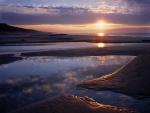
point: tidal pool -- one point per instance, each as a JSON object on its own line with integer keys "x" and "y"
{"x": 58, "y": 66}
{"x": 36, "y": 78}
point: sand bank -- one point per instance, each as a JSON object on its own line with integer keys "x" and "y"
{"x": 132, "y": 79}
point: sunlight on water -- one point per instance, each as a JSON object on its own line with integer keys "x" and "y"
{"x": 101, "y": 45}
{"x": 66, "y": 46}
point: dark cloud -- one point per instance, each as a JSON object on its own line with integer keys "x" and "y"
{"x": 145, "y": 2}
{"x": 143, "y": 5}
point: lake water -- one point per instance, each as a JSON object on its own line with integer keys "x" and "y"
{"x": 36, "y": 78}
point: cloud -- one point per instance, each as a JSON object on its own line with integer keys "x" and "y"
{"x": 13, "y": 14}
{"x": 143, "y": 5}
{"x": 142, "y": 2}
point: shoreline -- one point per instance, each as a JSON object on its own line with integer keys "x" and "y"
{"x": 127, "y": 51}
{"x": 91, "y": 52}
{"x": 63, "y": 101}
{"x": 73, "y": 104}
{"x": 131, "y": 79}
{"x": 8, "y": 58}
{"x": 51, "y": 42}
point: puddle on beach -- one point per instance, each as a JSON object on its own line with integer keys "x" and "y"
{"x": 37, "y": 78}
{"x": 59, "y": 66}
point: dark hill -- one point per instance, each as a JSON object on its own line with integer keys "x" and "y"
{"x": 8, "y": 28}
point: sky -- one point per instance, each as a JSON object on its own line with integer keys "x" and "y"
{"x": 78, "y": 16}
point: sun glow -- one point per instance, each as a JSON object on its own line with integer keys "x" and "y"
{"x": 101, "y": 24}
{"x": 105, "y": 25}
{"x": 101, "y": 34}
{"x": 101, "y": 45}
{"x": 98, "y": 28}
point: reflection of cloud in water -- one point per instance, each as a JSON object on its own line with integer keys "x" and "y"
{"x": 4, "y": 65}
{"x": 71, "y": 77}
{"x": 106, "y": 60}
{"x": 63, "y": 82}
{"x": 113, "y": 60}
{"x": 49, "y": 66}
{"x": 64, "y": 74}
{"x": 60, "y": 88}
{"x": 59, "y": 83}
{"x": 47, "y": 88}
{"x": 28, "y": 90}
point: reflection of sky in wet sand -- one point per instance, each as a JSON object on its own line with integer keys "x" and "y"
{"x": 36, "y": 78}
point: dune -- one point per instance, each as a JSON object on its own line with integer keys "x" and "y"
{"x": 132, "y": 79}
{"x": 72, "y": 104}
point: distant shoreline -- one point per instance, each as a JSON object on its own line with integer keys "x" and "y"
{"x": 7, "y": 58}
{"x": 12, "y": 35}
{"x": 44, "y": 43}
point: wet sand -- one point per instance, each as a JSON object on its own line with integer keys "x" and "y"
{"x": 72, "y": 104}
{"x": 132, "y": 51}
{"x": 9, "y": 38}
{"x": 132, "y": 79}
{"x": 93, "y": 52}
{"x": 8, "y": 58}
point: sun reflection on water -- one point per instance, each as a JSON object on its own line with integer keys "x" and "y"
{"x": 101, "y": 34}
{"x": 101, "y": 45}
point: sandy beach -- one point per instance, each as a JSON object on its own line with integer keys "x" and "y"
{"x": 95, "y": 51}
{"x": 72, "y": 104}
{"x": 25, "y": 50}
{"x": 131, "y": 79}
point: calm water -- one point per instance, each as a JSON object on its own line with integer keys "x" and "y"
{"x": 66, "y": 45}
{"x": 37, "y": 78}
{"x": 50, "y": 66}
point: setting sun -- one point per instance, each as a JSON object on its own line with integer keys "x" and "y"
{"x": 101, "y": 45}
{"x": 101, "y": 34}
{"x": 101, "y": 24}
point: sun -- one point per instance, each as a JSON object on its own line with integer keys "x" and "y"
{"x": 100, "y": 45}
{"x": 101, "y": 24}
{"x": 101, "y": 34}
